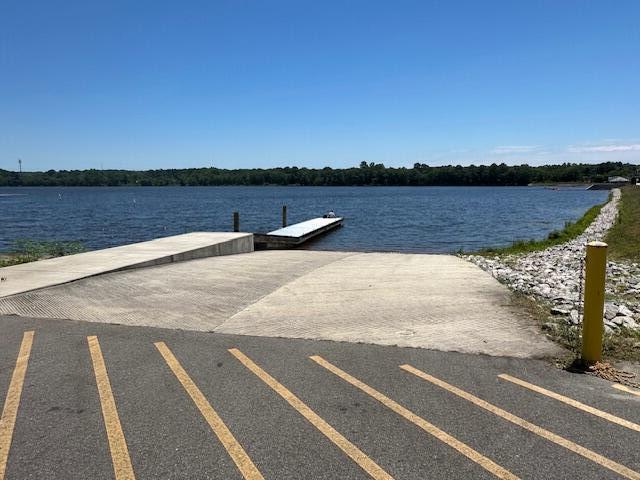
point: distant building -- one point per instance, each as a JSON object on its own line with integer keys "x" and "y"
{"x": 618, "y": 180}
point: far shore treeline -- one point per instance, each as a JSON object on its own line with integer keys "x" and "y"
{"x": 365, "y": 174}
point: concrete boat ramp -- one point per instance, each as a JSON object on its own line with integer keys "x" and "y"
{"x": 430, "y": 301}
{"x": 46, "y": 273}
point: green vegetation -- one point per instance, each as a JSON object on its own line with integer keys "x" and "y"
{"x": 624, "y": 236}
{"x": 365, "y": 174}
{"x": 25, "y": 250}
{"x": 570, "y": 231}
{"x": 622, "y": 345}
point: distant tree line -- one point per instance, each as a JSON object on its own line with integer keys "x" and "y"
{"x": 366, "y": 174}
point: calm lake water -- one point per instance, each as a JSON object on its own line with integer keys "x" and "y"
{"x": 422, "y": 219}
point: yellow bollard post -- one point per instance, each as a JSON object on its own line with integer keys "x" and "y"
{"x": 592, "y": 327}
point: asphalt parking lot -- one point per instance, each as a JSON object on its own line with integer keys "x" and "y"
{"x": 92, "y": 400}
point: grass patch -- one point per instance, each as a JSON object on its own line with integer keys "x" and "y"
{"x": 624, "y": 236}
{"x": 624, "y": 344}
{"x": 25, "y": 250}
{"x": 570, "y": 231}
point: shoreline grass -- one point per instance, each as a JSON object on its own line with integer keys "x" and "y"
{"x": 25, "y": 251}
{"x": 570, "y": 231}
{"x": 623, "y": 238}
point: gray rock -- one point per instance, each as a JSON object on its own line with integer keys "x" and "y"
{"x": 610, "y": 311}
{"x": 623, "y": 311}
{"x": 574, "y": 317}
{"x": 627, "y": 322}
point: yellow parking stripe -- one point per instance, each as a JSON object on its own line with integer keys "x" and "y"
{"x": 546, "y": 434}
{"x": 122, "y": 467}
{"x": 572, "y": 402}
{"x": 235, "y": 450}
{"x": 12, "y": 401}
{"x": 368, "y": 465}
{"x": 454, "y": 443}
{"x": 626, "y": 389}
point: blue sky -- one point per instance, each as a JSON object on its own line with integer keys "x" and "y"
{"x": 137, "y": 85}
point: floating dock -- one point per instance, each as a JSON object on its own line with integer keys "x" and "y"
{"x": 297, "y": 234}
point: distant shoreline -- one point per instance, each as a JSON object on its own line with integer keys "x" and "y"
{"x": 267, "y": 185}
{"x": 367, "y": 174}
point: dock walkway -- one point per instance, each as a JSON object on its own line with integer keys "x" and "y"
{"x": 55, "y": 271}
{"x": 297, "y": 234}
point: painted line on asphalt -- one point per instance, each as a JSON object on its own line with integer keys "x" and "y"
{"x": 546, "y": 434}
{"x": 232, "y": 446}
{"x": 453, "y": 442}
{"x": 122, "y": 467}
{"x": 12, "y": 400}
{"x": 571, "y": 402}
{"x": 624, "y": 388}
{"x": 359, "y": 457}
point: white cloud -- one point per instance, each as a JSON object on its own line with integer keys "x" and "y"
{"x": 633, "y": 147}
{"x": 514, "y": 149}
